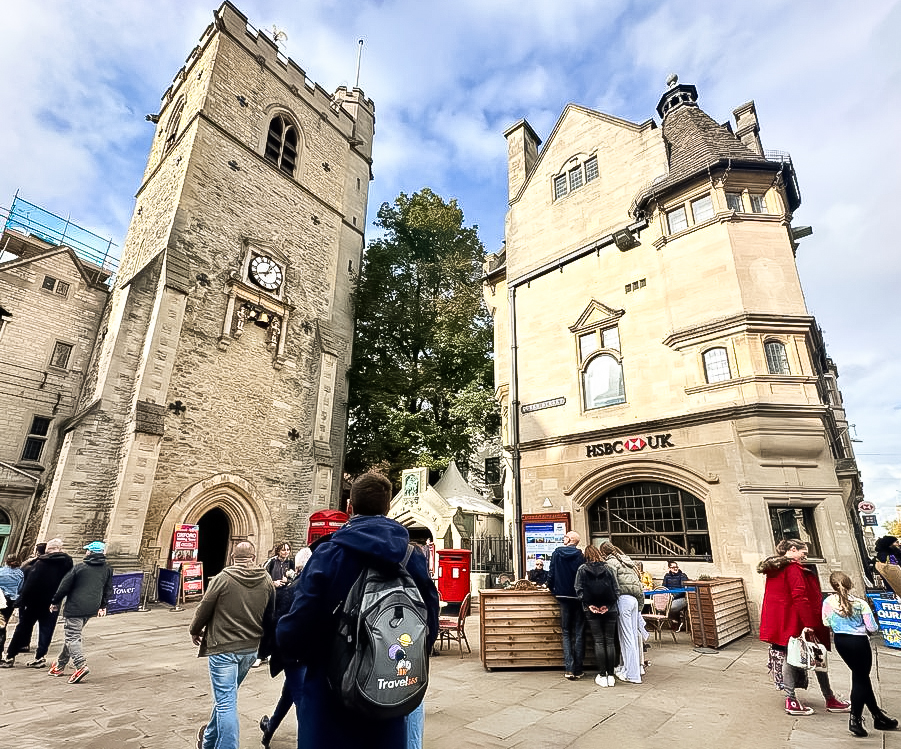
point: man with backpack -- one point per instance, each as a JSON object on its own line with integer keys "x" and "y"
{"x": 363, "y": 621}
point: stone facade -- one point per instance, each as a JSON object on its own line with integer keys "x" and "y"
{"x": 212, "y": 389}
{"x": 670, "y": 390}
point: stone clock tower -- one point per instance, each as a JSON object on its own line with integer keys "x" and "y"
{"x": 217, "y": 391}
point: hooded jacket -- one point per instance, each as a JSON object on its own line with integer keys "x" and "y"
{"x": 230, "y": 615}
{"x": 792, "y": 600}
{"x": 86, "y": 587}
{"x": 306, "y": 632}
{"x": 565, "y": 562}
{"x": 42, "y": 578}
{"x": 596, "y": 586}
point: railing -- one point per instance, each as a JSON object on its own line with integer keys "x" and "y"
{"x": 492, "y": 554}
{"x": 27, "y": 218}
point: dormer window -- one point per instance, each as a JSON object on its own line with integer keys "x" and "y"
{"x": 575, "y": 177}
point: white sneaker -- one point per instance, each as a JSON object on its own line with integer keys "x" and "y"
{"x": 619, "y": 674}
{"x": 641, "y": 669}
{"x": 601, "y": 681}
{"x": 611, "y": 681}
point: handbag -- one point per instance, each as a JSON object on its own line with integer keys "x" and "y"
{"x": 806, "y": 654}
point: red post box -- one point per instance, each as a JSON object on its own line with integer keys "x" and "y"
{"x": 453, "y": 574}
{"x": 323, "y": 522}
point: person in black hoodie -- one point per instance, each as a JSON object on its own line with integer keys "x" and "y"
{"x": 86, "y": 588}
{"x": 597, "y": 590}
{"x": 303, "y": 634}
{"x": 43, "y": 575}
{"x": 565, "y": 562}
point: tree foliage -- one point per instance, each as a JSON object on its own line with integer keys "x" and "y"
{"x": 892, "y": 527}
{"x": 421, "y": 379}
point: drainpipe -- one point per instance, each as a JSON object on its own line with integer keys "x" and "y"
{"x": 624, "y": 239}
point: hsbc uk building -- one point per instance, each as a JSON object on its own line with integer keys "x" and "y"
{"x": 662, "y": 383}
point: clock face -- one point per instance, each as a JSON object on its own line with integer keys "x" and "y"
{"x": 265, "y": 272}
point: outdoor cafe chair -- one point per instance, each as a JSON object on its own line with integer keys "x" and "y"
{"x": 661, "y": 601}
{"x": 451, "y": 628}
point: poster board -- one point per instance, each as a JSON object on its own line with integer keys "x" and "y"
{"x": 541, "y": 534}
{"x": 126, "y": 595}
{"x": 888, "y": 614}
{"x": 168, "y": 586}
{"x": 185, "y": 541}
{"x": 191, "y": 579}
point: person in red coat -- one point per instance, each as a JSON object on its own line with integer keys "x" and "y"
{"x": 792, "y": 604}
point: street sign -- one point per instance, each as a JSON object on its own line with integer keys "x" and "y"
{"x": 865, "y": 506}
{"x": 869, "y": 520}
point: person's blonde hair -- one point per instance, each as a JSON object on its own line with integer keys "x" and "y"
{"x": 842, "y": 585}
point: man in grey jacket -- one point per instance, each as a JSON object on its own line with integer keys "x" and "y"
{"x": 228, "y": 625}
{"x": 86, "y": 588}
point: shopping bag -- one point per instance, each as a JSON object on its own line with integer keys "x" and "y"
{"x": 806, "y": 654}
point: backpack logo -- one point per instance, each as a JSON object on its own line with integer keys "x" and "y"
{"x": 379, "y": 664}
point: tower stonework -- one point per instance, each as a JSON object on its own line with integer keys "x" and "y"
{"x": 217, "y": 386}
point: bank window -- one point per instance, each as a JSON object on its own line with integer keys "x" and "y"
{"x": 575, "y": 178}
{"x": 734, "y": 202}
{"x": 606, "y": 338}
{"x": 652, "y": 520}
{"x": 37, "y": 436}
{"x": 61, "y": 354}
{"x": 677, "y": 220}
{"x": 602, "y": 382}
{"x": 559, "y": 186}
{"x": 776, "y": 358}
{"x": 702, "y": 209}
{"x": 758, "y": 204}
{"x": 281, "y": 144}
{"x": 795, "y": 522}
{"x": 591, "y": 169}
{"x": 716, "y": 365}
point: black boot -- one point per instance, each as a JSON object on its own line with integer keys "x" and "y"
{"x": 855, "y": 726}
{"x": 264, "y": 727}
{"x": 883, "y": 722}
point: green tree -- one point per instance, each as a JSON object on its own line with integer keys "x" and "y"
{"x": 892, "y": 527}
{"x": 422, "y": 378}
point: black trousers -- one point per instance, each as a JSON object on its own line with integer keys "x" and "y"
{"x": 28, "y": 617}
{"x": 606, "y": 643}
{"x": 856, "y": 653}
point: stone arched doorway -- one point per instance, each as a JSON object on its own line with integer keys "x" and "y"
{"x": 228, "y": 509}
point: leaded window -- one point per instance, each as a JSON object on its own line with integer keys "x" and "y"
{"x": 716, "y": 365}
{"x": 776, "y": 358}
{"x": 281, "y": 144}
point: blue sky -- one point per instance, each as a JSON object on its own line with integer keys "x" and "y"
{"x": 448, "y": 78}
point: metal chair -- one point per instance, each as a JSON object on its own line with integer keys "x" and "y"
{"x": 661, "y": 601}
{"x": 451, "y": 628}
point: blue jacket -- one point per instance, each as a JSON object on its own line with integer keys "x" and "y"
{"x": 305, "y": 633}
{"x": 565, "y": 563}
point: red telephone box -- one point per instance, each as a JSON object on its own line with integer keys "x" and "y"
{"x": 323, "y": 522}
{"x": 453, "y": 574}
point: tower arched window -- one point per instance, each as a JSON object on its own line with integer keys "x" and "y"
{"x": 173, "y": 124}
{"x": 776, "y": 357}
{"x": 716, "y": 365}
{"x": 652, "y": 520}
{"x": 281, "y": 144}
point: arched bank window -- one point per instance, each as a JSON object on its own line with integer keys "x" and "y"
{"x": 652, "y": 520}
{"x": 281, "y": 144}
{"x": 716, "y": 365}
{"x": 776, "y": 358}
{"x": 602, "y": 382}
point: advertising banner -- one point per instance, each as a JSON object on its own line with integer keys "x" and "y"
{"x": 888, "y": 614}
{"x": 126, "y": 592}
{"x": 192, "y": 578}
{"x": 184, "y": 545}
{"x": 167, "y": 587}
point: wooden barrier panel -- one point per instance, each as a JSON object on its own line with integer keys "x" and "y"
{"x": 718, "y": 611}
{"x": 519, "y": 628}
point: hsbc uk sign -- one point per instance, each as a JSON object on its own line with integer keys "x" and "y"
{"x": 629, "y": 445}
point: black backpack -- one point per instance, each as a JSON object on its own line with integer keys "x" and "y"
{"x": 379, "y": 665}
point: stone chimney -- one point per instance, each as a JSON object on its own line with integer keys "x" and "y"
{"x": 522, "y": 153}
{"x": 746, "y": 128}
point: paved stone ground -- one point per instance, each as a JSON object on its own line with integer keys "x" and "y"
{"x": 148, "y": 689}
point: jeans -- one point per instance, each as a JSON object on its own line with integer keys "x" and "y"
{"x": 415, "y": 725}
{"x": 796, "y": 678}
{"x": 72, "y": 629}
{"x": 856, "y": 653}
{"x": 572, "y": 622}
{"x": 227, "y": 671}
{"x": 28, "y": 617}
{"x": 603, "y": 630}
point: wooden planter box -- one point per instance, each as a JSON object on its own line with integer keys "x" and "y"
{"x": 519, "y": 628}
{"x": 718, "y": 610}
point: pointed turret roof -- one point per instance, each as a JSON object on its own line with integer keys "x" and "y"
{"x": 454, "y": 489}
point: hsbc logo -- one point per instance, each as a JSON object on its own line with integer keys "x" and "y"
{"x": 629, "y": 445}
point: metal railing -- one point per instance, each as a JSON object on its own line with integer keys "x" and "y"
{"x": 492, "y": 554}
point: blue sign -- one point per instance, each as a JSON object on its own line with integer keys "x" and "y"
{"x": 167, "y": 587}
{"x": 888, "y": 614}
{"x": 126, "y": 593}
